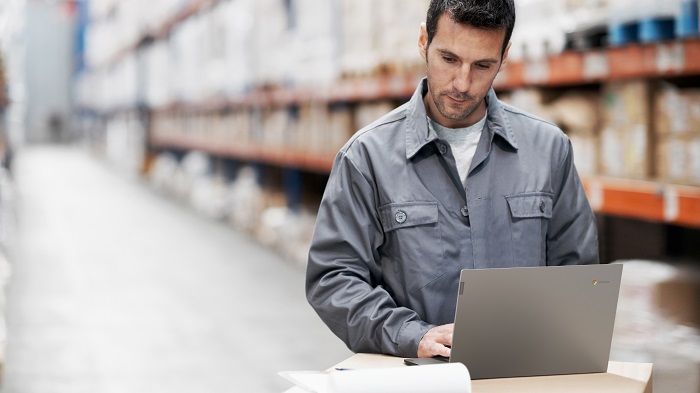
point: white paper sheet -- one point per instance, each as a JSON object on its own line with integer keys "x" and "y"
{"x": 444, "y": 378}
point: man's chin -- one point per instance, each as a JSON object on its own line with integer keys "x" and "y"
{"x": 457, "y": 115}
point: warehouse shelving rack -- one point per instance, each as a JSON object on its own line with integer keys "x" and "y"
{"x": 646, "y": 200}
{"x": 653, "y": 201}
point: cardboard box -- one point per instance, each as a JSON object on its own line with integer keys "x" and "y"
{"x": 671, "y": 160}
{"x": 576, "y": 112}
{"x": 625, "y": 152}
{"x": 677, "y": 135}
{"x": 274, "y": 127}
{"x": 678, "y": 159}
{"x": 586, "y": 148}
{"x": 366, "y": 114}
{"x": 341, "y": 127}
{"x": 626, "y": 138}
{"x": 676, "y": 111}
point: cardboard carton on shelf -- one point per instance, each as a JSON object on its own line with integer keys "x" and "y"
{"x": 341, "y": 127}
{"x": 577, "y": 113}
{"x": 314, "y": 127}
{"x": 397, "y": 41}
{"x": 586, "y": 157}
{"x": 274, "y": 125}
{"x": 676, "y": 111}
{"x": 358, "y": 37}
{"x": 366, "y": 114}
{"x": 241, "y": 124}
{"x": 625, "y": 152}
{"x": 678, "y": 159}
{"x": 626, "y": 140}
{"x": 677, "y": 135}
{"x": 532, "y": 100}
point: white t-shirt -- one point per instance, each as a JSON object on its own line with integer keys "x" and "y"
{"x": 463, "y": 142}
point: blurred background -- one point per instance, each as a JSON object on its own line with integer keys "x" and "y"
{"x": 163, "y": 161}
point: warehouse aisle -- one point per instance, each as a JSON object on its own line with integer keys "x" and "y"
{"x": 116, "y": 289}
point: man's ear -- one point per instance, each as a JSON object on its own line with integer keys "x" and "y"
{"x": 423, "y": 42}
{"x": 504, "y": 58}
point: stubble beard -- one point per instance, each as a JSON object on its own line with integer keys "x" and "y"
{"x": 439, "y": 99}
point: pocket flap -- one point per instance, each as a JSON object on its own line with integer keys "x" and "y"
{"x": 530, "y": 205}
{"x": 408, "y": 214}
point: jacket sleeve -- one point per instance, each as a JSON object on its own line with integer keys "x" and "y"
{"x": 344, "y": 277}
{"x": 572, "y": 237}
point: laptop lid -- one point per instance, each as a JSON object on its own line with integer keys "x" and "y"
{"x": 518, "y": 322}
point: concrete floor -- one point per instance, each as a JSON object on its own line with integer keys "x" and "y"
{"x": 117, "y": 289}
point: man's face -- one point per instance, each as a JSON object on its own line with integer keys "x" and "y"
{"x": 462, "y": 63}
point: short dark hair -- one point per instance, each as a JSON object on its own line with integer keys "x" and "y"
{"x": 481, "y": 14}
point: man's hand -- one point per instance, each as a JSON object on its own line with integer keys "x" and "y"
{"x": 436, "y": 341}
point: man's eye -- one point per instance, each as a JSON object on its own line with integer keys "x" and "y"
{"x": 448, "y": 59}
{"x": 483, "y": 66}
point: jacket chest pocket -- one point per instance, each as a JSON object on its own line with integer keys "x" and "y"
{"x": 530, "y": 213}
{"x": 412, "y": 242}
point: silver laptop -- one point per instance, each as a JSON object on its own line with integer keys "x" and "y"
{"x": 534, "y": 321}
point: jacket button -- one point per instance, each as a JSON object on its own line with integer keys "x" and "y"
{"x": 542, "y": 206}
{"x": 465, "y": 211}
{"x": 401, "y": 217}
{"x": 443, "y": 149}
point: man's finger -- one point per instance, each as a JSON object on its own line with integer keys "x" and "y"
{"x": 441, "y": 350}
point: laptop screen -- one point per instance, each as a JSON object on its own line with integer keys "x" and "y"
{"x": 535, "y": 321}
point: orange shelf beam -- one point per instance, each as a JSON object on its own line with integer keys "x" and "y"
{"x": 293, "y": 158}
{"x": 671, "y": 58}
{"x": 645, "y": 200}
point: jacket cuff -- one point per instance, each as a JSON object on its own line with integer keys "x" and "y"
{"x": 410, "y": 335}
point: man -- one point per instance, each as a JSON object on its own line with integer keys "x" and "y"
{"x": 454, "y": 179}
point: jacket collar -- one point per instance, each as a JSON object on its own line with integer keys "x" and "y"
{"x": 418, "y": 134}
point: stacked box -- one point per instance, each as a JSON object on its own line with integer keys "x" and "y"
{"x": 274, "y": 125}
{"x": 323, "y": 129}
{"x": 238, "y": 19}
{"x": 366, "y": 114}
{"x": 358, "y": 38}
{"x": 375, "y": 35}
{"x": 578, "y": 114}
{"x": 158, "y": 124}
{"x": 625, "y": 135}
{"x": 157, "y": 81}
{"x": 677, "y": 134}
{"x": 241, "y": 125}
{"x": 340, "y": 127}
{"x": 397, "y": 41}
{"x": 313, "y": 126}
{"x": 539, "y": 30}
{"x": 530, "y": 100}
{"x": 270, "y": 42}
{"x": 186, "y": 58}
{"x": 213, "y": 53}
{"x": 315, "y": 42}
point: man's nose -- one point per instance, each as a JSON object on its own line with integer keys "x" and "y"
{"x": 462, "y": 80}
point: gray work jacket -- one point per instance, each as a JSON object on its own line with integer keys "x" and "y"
{"x": 395, "y": 225}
